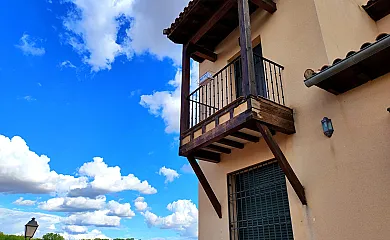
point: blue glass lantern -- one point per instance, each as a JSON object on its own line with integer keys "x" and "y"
{"x": 327, "y": 126}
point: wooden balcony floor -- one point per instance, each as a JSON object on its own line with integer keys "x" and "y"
{"x": 234, "y": 126}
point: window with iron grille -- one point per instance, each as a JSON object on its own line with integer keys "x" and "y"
{"x": 258, "y": 203}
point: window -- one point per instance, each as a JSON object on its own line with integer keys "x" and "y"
{"x": 258, "y": 203}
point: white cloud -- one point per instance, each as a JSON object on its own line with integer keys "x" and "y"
{"x": 94, "y": 27}
{"x": 24, "y": 171}
{"x": 68, "y": 204}
{"x": 186, "y": 168}
{"x": 109, "y": 179}
{"x": 74, "y": 229}
{"x": 82, "y": 204}
{"x": 148, "y": 15}
{"x": 140, "y": 204}
{"x": 98, "y": 218}
{"x": 166, "y": 104}
{"x": 13, "y": 221}
{"x": 169, "y": 174}
{"x": 184, "y": 218}
{"x": 24, "y": 202}
{"x": 29, "y": 46}
{"x": 28, "y": 98}
{"x": 66, "y": 64}
{"x": 120, "y": 210}
{"x": 94, "y": 234}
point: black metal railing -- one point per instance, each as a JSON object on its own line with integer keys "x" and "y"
{"x": 225, "y": 86}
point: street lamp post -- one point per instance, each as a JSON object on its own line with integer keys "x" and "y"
{"x": 31, "y": 228}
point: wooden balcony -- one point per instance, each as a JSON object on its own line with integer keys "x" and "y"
{"x": 222, "y": 120}
{"x": 234, "y": 126}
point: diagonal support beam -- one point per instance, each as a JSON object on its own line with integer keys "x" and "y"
{"x": 283, "y": 163}
{"x": 206, "y": 186}
{"x": 267, "y": 5}
{"x": 212, "y": 21}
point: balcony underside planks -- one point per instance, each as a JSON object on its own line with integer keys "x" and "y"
{"x": 234, "y": 126}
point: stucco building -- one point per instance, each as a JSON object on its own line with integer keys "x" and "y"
{"x": 272, "y": 71}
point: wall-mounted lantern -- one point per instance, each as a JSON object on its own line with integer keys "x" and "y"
{"x": 327, "y": 126}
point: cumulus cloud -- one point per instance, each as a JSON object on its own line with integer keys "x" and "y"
{"x": 82, "y": 204}
{"x": 24, "y": 171}
{"x": 169, "y": 174}
{"x": 94, "y": 234}
{"x": 74, "y": 229}
{"x": 68, "y": 204}
{"x": 184, "y": 218}
{"x": 120, "y": 210}
{"x": 29, "y": 46}
{"x": 166, "y": 104}
{"x": 98, "y": 218}
{"x": 24, "y": 202}
{"x": 12, "y": 221}
{"x": 100, "y": 31}
{"x": 140, "y": 204}
{"x": 109, "y": 179}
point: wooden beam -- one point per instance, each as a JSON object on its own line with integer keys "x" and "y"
{"x": 206, "y": 186}
{"x": 218, "y": 149}
{"x": 248, "y": 68}
{"x": 231, "y": 143}
{"x": 212, "y": 21}
{"x": 268, "y": 5}
{"x": 203, "y": 52}
{"x": 196, "y": 58}
{"x": 185, "y": 91}
{"x": 283, "y": 163}
{"x": 207, "y": 156}
{"x": 245, "y": 137}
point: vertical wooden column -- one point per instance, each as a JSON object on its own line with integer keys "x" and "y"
{"x": 206, "y": 186}
{"x": 248, "y": 68}
{"x": 283, "y": 163}
{"x": 185, "y": 91}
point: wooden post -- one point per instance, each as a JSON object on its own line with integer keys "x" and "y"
{"x": 185, "y": 91}
{"x": 247, "y": 63}
{"x": 283, "y": 163}
{"x": 206, "y": 186}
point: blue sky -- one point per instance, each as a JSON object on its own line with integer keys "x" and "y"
{"x": 94, "y": 86}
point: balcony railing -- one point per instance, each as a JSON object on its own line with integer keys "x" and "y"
{"x": 226, "y": 86}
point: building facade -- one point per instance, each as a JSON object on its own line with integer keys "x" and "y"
{"x": 272, "y": 71}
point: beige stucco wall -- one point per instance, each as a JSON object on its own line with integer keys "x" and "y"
{"x": 345, "y": 26}
{"x": 346, "y": 177}
{"x": 384, "y": 24}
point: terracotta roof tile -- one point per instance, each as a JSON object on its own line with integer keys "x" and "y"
{"x": 184, "y": 13}
{"x": 349, "y": 54}
{"x": 370, "y": 2}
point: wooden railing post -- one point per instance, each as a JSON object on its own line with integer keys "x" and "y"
{"x": 248, "y": 68}
{"x": 185, "y": 91}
